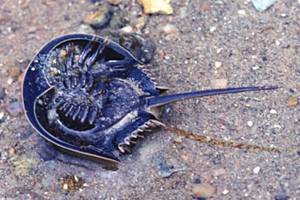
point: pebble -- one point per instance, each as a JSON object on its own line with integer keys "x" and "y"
{"x": 241, "y": 12}
{"x": 204, "y": 6}
{"x": 204, "y": 190}
{"x": 210, "y": 100}
{"x": 10, "y": 81}
{"x": 12, "y": 151}
{"x": 97, "y": 19}
{"x": 71, "y": 183}
{"x": 262, "y": 5}
{"x": 140, "y": 22}
{"x": 250, "y": 123}
{"x": 212, "y": 29}
{"x": 219, "y": 172}
{"x": 86, "y": 29}
{"x": 156, "y": 6}
{"x": 225, "y": 192}
{"x": 1, "y": 115}
{"x": 283, "y": 15}
{"x": 169, "y": 29}
{"x": 14, "y": 71}
{"x": 255, "y": 68}
{"x": 277, "y": 126}
{"x": 281, "y": 197}
{"x": 14, "y": 109}
{"x": 142, "y": 48}
{"x": 218, "y": 83}
{"x": 273, "y": 111}
{"x": 65, "y": 186}
{"x": 2, "y": 93}
{"x": 291, "y": 101}
{"x": 127, "y": 29}
{"x": 256, "y": 170}
{"x": 119, "y": 19}
{"x": 114, "y": 2}
{"x": 218, "y": 65}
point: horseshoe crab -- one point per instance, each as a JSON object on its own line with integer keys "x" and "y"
{"x": 90, "y": 96}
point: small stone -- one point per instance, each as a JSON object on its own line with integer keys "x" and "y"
{"x": 250, "y": 123}
{"x": 178, "y": 140}
{"x": 140, "y": 22}
{"x": 169, "y": 29}
{"x": 204, "y": 190}
{"x": 1, "y": 115}
{"x": 218, "y": 65}
{"x": 119, "y": 19}
{"x": 156, "y": 6}
{"x": 127, "y": 29}
{"x": 291, "y": 101}
{"x": 212, "y": 29}
{"x": 86, "y": 29}
{"x": 262, "y": 5}
{"x": 277, "y": 42}
{"x": 210, "y": 100}
{"x": 71, "y": 183}
{"x": 204, "y": 6}
{"x": 273, "y": 111}
{"x": 283, "y": 15}
{"x": 114, "y": 2}
{"x": 241, "y": 12}
{"x": 255, "y": 68}
{"x": 197, "y": 180}
{"x": 218, "y": 83}
{"x": 14, "y": 71}
{"x": 256, "y": 170}
{"x": 97, "y": 19}
{"x": 10, "y": 81}
{"x": 65, "y": 186}
{"x": 184, "y": 157}
{"x": 281, "y": 197}
{"x": 225, "y": 192}
{"x": 12, "y": 151}
{"x": 14, "y": 109}
{"x": 139, "y": 46}
{"x": 219, "y": 172}
{"x": 2, "y": 93}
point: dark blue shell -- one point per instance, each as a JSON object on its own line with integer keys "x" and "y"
{"x": 90, "y": 96}
{"x": 99, "y": 118}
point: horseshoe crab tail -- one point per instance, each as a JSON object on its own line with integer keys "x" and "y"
{"x": 162, "y": 100}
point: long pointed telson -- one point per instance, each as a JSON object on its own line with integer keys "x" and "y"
{"x": 163, "y": 100}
